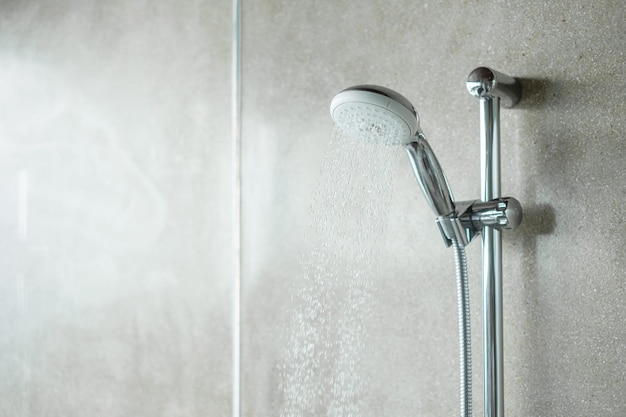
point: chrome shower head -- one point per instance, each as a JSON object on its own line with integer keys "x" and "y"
{"x": 374, "y": 113}
{"x": 381, "y": 115}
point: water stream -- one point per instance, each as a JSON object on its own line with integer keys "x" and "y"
{"x": 324, "y": 373}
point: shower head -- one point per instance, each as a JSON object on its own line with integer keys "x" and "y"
{"x": 381, "y": 115}
{"x": 375, "y": 113}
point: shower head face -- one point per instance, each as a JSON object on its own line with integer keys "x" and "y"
{"x": 376, "y": 114}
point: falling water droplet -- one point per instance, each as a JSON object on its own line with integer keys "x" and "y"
{"x": 328, "y": 331}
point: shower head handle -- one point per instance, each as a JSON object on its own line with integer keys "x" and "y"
{"x": 430, "y": 176}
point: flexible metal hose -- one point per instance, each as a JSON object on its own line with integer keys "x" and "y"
{"x": 465, "y": 345}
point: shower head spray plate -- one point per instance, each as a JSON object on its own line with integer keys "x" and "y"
{"x": 374, "y": 113}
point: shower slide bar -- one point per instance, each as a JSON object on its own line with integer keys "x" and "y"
{"x": 492, "y": 89}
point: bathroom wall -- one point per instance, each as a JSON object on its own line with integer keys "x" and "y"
{"x": 115, "y": 198}
{"x": 563, "y": 157}
{"x": 115, "y": 206}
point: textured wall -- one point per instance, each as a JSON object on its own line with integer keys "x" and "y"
{"x": 563, "y": 158}
{"x": 114, "y": 208}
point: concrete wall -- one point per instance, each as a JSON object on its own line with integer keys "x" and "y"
{"x": 563, "y": 157}
{"x": 115, "y": 204}
{"x": 115, "y": 211}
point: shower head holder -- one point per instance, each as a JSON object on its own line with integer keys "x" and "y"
{"x": 471, "y": 217}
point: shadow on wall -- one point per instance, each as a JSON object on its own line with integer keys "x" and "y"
{"x": 539, "y": 220}
{"x": 566, "y": 317}
{"x": 533, "y": 93}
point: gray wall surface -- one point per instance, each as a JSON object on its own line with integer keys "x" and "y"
{"x": 115, "y": 205}
{"x": 116, "y": 186}
{"x": 563, "y": 156}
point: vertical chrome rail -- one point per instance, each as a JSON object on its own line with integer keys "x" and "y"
{"x": 492, "y": 259}
{"x": 492, "y": 89}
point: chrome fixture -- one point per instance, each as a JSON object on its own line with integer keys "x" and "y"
{"x": 493, "y": 88}
{"x": 384, "y": 116}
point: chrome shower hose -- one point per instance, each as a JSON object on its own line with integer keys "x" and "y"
{"x": 465, "y": 345}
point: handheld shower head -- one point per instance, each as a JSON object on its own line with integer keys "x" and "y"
{"x": 374, "y": 113}
{"x": 381, "y": 115}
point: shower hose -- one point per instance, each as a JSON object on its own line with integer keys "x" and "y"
{"x": 465, "y": 349}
